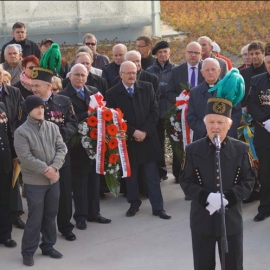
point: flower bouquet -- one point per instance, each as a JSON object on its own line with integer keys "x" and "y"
{"x": 177, "y": 128}
{"x": 103, "y": 135}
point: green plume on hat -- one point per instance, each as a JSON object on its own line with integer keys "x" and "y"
{"x": 52, "y": 58}
{"x": 231, "y": 87}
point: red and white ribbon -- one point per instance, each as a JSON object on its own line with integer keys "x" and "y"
{"x": 96, "y": 100}
{"x": 182, "y": 104}
{"x": 101, "y": 142}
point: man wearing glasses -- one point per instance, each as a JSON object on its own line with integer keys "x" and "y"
{"x": 99, "y": 60}
{"x": 144, "y": 47}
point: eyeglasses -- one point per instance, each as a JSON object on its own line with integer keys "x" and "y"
{"x": 31, "y": 67}
{"x": 191, "y": 52}
{"x": 129, "y": 73}
{"x": 138, "y": 46}
{"x": 90, "y": 43}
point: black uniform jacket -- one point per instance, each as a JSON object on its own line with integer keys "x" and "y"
{"x": 140, "y": 112}
{"x": 200, "y": 178}
{"x": 92, "y": 80}
{"x": 79, "y": 159}
{"x": 258, "y": 105}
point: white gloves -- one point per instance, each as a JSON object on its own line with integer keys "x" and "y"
{"x": 267, "y": 125}
{"x": 215, "y": 202}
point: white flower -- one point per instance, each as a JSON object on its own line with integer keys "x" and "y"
{"x": 111, "y": 171}
{"x": 109, "y": 165}
{"x": 175, "y": 138}
{"x": 177, "y": 126}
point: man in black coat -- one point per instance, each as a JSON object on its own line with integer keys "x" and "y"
{"x": 198, "y": 100}
{"x": 92, "y": 79}
{"x": 86, "y": 182}
{"x": 258, "y": 105}
{"x": 110, "y": 71}
{"x": 256, "y": 54}
{"x": 138, "y": 103}
{"x": 201, "y": 182}
{"x": 29, "y": 47}
{"x": 59, "y": 110}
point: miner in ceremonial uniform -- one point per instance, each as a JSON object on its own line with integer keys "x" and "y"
{"x": 200, "y": 180}
{"x": 258, "y": 105}
{"x": 59, "y": 110}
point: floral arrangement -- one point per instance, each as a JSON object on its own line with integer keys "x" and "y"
{"x": 103, "y": 135}
{"x": 177, "y": 128}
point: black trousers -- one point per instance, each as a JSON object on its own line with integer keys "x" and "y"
{"x": 204, "y": 252}
{"x": 86, "y": 193}
{"x": 150, "y": 172}
{"x": 5, "y": 215}
{"x": 176, "y": 165}
{"x": 16, "y": 206}
{"x": 64, "y": 214}
{"x": 264, "y": 179}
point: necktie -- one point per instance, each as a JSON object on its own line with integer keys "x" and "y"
{"x": 130, "y": 91}
{"x": 82, "y": 94}
{"x": 192, "y": 81}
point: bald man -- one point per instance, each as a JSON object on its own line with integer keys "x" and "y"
{"x": 110, "y": 71}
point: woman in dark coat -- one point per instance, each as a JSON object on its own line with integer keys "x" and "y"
{"x": 7, "y": 152}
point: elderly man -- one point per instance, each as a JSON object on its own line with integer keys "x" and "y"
{"x": 92, "y": 79}
{"x": 245, "y": 57}
{"x": 207, "y": 49}
{"x": 137, "y": 101}
{"x": 12, "y": 64}
{"x": 198, "y": 100}
{"x": 258, "y": 105}
{"x": 29, "y": 47}
{"x": 41, "y": 150}
{"x": 110, "y": 71}
{"x": 200, "y": 183}
{"x": 99, "y": 60}
{"x": 86, "y": 182}
{"x": 58, "y": 109}
{"x": 162, "y": 68}
{"x": 144, "y": 47}
{"x": 257, "y": 66}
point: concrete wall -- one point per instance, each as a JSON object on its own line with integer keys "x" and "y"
{"x": 66, "y": 22}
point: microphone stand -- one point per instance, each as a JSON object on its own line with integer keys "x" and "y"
{"x": 224, "y": 243}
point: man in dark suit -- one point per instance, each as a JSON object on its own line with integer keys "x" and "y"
{"x": 183, "y": 74}
{"x": 138, "y": 103}
{"x": 92, "y": 79}
{"x": 207, "y": 49}
{"x": 86, "y": 182}
{"x": 198, "y": 100}
{"x": 256, "y": 54}
{"x": 110, "y": 71}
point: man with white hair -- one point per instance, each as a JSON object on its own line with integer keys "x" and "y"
{"x": 245, "y": 57}
{"x": 86, "y": 182}
{"x": 12, "y": 64}
{"x": 198, "y": 100}
{"x": 110, "y": 71}
{"x": 207, "y": 49}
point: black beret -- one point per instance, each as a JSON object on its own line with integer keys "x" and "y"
{"x": 160, "y": 45}
{"x": 219, "y": 106}
{"x": 32, "y": 102}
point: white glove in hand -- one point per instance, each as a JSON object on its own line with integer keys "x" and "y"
{"x": 215, "y": 203}
{"x": 267, "y": 125}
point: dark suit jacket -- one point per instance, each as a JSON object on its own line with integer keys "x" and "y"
{"x": 179, "y": 75}
{"x": 79, "y": 160}
{"x": 92, "y": 80}
{"x": 140, "y": 112}
{"x": 109, "y": 72}
{"x": 197, "y": 108}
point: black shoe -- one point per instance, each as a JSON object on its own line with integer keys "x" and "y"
{"x": 254, "y": 196}
{"x": 132, "y": 211}
{"x": 163, "y": 178}
{"x": 52, "y": 253}
{"x": 187, "y": 198}
{"x": 70, "y": 236}
{"x": 162, "y": 214}
{"x": 99, "y": 219}
{"x": 176, "y": 180}
{"x": 28, "y": 259}
{"x": 261, "y": 216}
{"x": 10, "y": 243}
{"x": 81, "y": 225}
{"x": 19, "y": 223}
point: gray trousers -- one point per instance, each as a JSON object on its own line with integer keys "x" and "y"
{"x": 42, "y": 204}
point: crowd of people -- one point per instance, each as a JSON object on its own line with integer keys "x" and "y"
{"x": 47, "y": 106}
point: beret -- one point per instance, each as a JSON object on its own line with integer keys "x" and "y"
{"x": 160, "y": 45}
